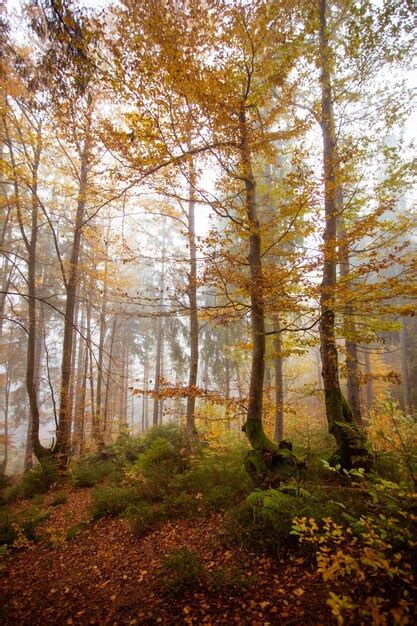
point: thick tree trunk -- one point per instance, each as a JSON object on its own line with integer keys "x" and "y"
{"x": 279, "y": 383}
{"x": 63, "y": 444}
{"x": 192, "y": 297}
{"x": 350, "y": 439}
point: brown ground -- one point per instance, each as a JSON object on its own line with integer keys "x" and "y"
{"x": 106, "y": 575}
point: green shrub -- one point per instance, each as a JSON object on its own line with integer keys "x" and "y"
{"x": 126, "y": 449}
{"x": 230, "y": 579}
{"x": 23, "y": 524}
{"x": 38, "y": 479}
{"x": 91, "y": 470}
{"x": 113, "y": 500}
{"x": 175, "y": 436}
{"x": 60, "y": 497}
{"x": 264, "y": 520}
{"x": 157, "y": 467}
{"x": 181, "y": 569}
{"x": 144, "y": 516}
{"x": 217, "y": 479}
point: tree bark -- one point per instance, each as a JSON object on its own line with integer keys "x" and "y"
{"x": 63, "y": 445}
{"x": 80, "y": 389}
{"x": 31, "y": 248}
{"x": 254, "y": 426}
{"x": 109, "y": 376}
{"x": 279, "y": 383}
{"x": 192, "y": 296}
{"x": 159, "y": 344}
{"x": 352, "y": 364}
{"x": 98, "y": 417}
{"x": 405, "y": 375}
{"x": 350, "y": 439}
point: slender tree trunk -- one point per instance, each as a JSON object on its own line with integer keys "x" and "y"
{"x": 369, "y": 386}
{"x": 159, "y": 344}
{"x": 109, "y": 376}
{"x": 98, "y": 417}
{"x": 62, "y": 447}
{"x": 352, "y": 364}
{"x": 31, "y": 247}
{"x": 227, "y": 380}
{"x": 7, "y": 387}
{"x": 254, "y": 427}
{"x": 192, "y": 296}
{"x": 73, "y": 364}
{"x": 80, "y": 388}
{"x": 90, "y": 365}
{"x": 350, "y": 441}
{"x": 405, "y": 375}
{"x": 279, "y": 382}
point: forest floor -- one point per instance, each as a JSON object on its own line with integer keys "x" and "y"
{"x": 107, "y": 575}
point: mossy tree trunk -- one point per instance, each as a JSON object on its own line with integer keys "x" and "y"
{"x": 349, "y": 436}
{"x": 267, "y": 462}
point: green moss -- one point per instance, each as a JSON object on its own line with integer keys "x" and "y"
{"x": 258, "y": 439}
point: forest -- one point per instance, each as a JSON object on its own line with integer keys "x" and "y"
{"x": 208, "y": 294}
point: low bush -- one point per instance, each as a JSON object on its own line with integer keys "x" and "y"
{"x": 264, "y": 521}
{"x": 15, "y": 527}
{"x": 373, "y": 557}
{"x": 230, "y": 579}
{"x": 60, "y": 497}
{"x": 181, "y": 569}
{"x": 92, "y": 470}
{"x": 113, "y": 500}
{"x": 126, "y": 448}
{"x": 144, "y": 516}
{"x": 217, "y": 478}
{"x": 37, "y": 480}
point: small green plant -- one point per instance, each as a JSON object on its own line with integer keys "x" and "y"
{"x": 144, "y": 516}
{"x": 181, "y": 569}
{"x": 112, "y": 500}
{"x": 92, "y": 470}
{"x": 230, "y": 579}
{"x": 38, "y": 479}
{"x": 15, "y": 526}
{"x": 60, "y": 497}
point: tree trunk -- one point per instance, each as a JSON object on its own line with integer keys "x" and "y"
{"x": 159, "y": 342}
{"x": 82, "y": 370}
{"x": 352, "y": 364}
{"x": 279, "y": 382}
{"x": 192, "y": 296}
{"x": 31, "y": 247}
{"x": 109, "y": 376}
{"x": 98, "y": 417}
{"x": 62, "y": 447}
{"x": 369, "y": 389}
{"x": 405, "y": 375}
{"x": 350, "y": 439}
{"x": 254, "y": 427}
